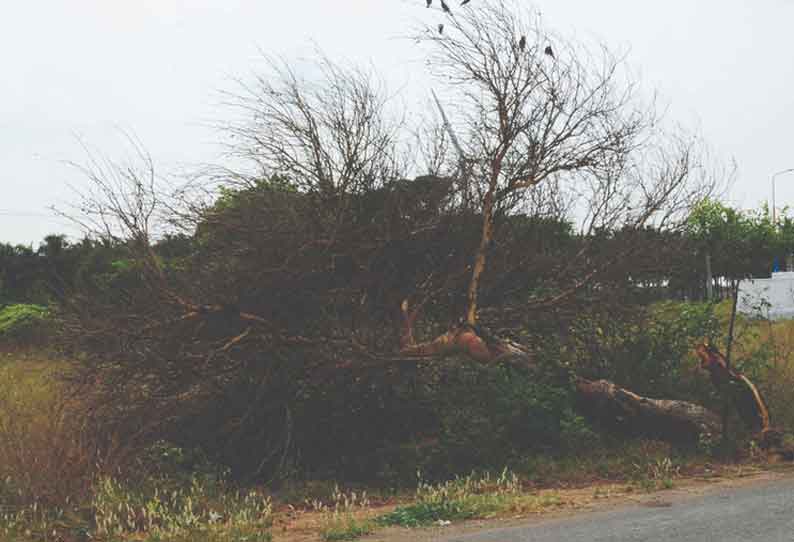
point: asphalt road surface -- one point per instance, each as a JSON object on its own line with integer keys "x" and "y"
{"x": 762, "y": 512}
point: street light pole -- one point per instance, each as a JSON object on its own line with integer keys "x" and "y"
{"x": 781, "y": 172}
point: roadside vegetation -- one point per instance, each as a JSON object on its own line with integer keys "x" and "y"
{"x": 59, "y": 483}
{"x": 366, "y": 324}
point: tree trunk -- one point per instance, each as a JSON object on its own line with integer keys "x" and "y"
{"x": 674, "y": 421}
{"x": 734, "y": 290}
{"x": 735, "y": 301}
{"x": 709, "y": 278}
{"x": 479, "y": 257}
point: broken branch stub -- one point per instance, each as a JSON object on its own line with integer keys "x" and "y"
{"x": 462, "y": 338}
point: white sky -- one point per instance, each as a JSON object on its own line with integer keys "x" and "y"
{"x": 86, "y": 68}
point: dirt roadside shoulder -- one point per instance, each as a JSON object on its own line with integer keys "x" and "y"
{"x": 586, "y": 500}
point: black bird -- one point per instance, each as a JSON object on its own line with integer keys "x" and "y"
{"x": 429, "y": 3}
{"x": 465, "y": 2}
{"x": 445, "y": 7}
{"x": 522, "y": 43}
{"x": 441, "y": 29}
{"x": 548, "y": 51}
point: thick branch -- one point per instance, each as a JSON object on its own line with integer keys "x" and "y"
{"x": 742, "y": 392}
{"x": 479, "y": 259}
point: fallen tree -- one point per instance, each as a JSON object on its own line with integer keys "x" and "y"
{"x": 672, "y": 420}
{"x": 296, "y": 275}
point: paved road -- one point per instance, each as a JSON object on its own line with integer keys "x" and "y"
{"x": 761, "y": 512}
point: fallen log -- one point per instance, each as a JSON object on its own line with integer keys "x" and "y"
{"x": 666, "y": 419}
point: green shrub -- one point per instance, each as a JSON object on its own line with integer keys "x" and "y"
{"x": 23, "y": 323}
{"x": 492, "y": 415}
{"x": 166, "y": 461}
{"x": 445, "y": 418}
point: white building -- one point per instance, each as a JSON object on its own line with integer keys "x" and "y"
{"x": 771, "y": 298}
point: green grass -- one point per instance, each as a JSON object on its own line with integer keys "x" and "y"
{"x": 617, "y": 461}
{"x": 348, "y": 528}
{"x": 464, "y": 498}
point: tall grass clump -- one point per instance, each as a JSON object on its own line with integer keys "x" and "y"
{"x": 205, "y": 510}
{"x": 345, "y": 516}
{"x": 47, "y": 454}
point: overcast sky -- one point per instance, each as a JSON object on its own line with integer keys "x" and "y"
{"x": 74, "y": 69}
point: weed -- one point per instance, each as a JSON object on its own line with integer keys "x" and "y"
{"x": 340, "y": 521}
{"x": 706, "y": 444}
{"x": 201, "y": 507}
{"x": 200, "y": 513}
{"x": 462, "y": 498}
{"x": 347, "y": 529}
{"x": 657, "y": 474}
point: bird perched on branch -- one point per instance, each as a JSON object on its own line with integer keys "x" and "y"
{"x": 429, "y": 3}
{"x": 445, "y": 7}
{"x": 441, "y": 28}
{"x": 549, "y": 52}
{"x": 522, "y": 43}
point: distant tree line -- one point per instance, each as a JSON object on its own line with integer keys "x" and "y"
{"x": 58, "y": 267}
{"x": 664, "y": 265}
